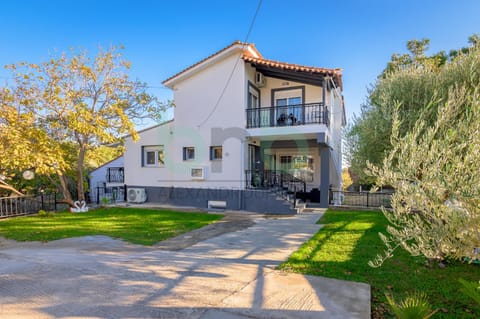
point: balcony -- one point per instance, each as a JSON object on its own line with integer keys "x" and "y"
{"x": 115, "y": 175}
{"x": 290, "y": 115}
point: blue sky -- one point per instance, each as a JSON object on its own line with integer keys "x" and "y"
{"x": 163, "y": 37}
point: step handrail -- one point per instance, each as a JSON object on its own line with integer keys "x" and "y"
{"x": 268, "y": 179}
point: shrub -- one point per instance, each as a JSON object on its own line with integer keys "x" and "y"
{"x": 415, "y": 306}
{"x": 42, "y": 213}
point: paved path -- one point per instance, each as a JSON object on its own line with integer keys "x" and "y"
{"x": 230, "y": 276}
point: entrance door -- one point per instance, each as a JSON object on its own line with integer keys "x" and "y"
{"x": 253, "y": 157}
{"x": 255, "y": 166}
{"x": 270, "y": 176}
{"x": 299, "y": 166}
{"x": 270, "y": 163}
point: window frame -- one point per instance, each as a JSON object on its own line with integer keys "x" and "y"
{"x": 212, "y": 153}
{"x": 253, "y": 92}
{"x": 186, "y": 150}
{"x": 305, "y": 172}
{"x": 158, "y": 157}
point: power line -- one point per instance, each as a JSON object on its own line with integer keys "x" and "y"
{"x": 252, "y": 23}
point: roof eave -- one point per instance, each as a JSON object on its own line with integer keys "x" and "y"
{"x": 236, "y": 47}
{"x": 283, "y": 67}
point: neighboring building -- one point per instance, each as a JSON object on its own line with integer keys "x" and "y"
{"x": 243, "y": 125}
{"x": 108, "y": 182}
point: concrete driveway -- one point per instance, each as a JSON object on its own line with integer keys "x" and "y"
{"x": 229, "y": 276}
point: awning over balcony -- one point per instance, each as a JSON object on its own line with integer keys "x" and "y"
{"x": 294, "y": 72}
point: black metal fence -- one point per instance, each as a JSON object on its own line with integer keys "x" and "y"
{"x": 361, "y": 199}
{"x": 109, "y": 195}
{"x": 25, "y": 205}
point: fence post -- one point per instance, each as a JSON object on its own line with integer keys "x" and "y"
{"x": 41, "y": 200}
{"x": 55, "y": 200}
{"x": 98, "y": 195}
{"x": 294, "y": 196}
{"x": 367, "y": 199}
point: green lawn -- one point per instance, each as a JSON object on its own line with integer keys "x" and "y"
{"x": 135, "y": 225}
{"x": 349, "y": 239}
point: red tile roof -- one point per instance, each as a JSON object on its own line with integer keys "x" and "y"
{"x": 335, "y": 73}
{"x": 249, "y": 57}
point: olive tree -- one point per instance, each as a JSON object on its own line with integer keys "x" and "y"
{"x": 435, "y": 171}
{"x": 410, "y": 81}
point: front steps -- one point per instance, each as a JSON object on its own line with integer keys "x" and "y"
{"x": 284, "y": 202}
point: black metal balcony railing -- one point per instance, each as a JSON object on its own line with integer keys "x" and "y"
{"x": 290, "y": 115}
{"x": 115, "y": 175}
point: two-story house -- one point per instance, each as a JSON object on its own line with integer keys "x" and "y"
{"x": 245, "y": 130}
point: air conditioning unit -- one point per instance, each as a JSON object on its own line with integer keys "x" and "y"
{"x": 197, "y": 173}
{"x": 259, "y": 79}
{"x": 136, "y": 195}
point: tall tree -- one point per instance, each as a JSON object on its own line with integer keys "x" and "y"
{"x": 411, "y": 83}
{"x": 435, "y": 171}
{"x": 58, "y": 111}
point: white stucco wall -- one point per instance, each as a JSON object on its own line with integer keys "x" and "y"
{"x": 199, "y": 113}
{"x": 138, "y": 175}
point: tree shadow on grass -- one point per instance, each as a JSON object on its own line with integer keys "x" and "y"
{"x": 349, "y": 240}
{"x": 229, "y": 276}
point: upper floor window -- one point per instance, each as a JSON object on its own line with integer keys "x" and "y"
{"x": 289, "y": 101}
{"x": 253, "y": 97}
{"x": 153, "y": 156}
{"x": 216, "y": 153}
{"x": 288, "y": 96}
{"x": 188, "y": 153}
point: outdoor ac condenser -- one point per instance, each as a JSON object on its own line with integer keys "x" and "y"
{"x": 136, "y": 195}
{"x": 259, "y": 79}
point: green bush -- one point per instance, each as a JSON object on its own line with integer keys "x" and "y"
{"x": 105, "y": 200}
{"x": 42, "y": 213}
{"x": 471, "y": 289}
{"x": 415, "y": 306}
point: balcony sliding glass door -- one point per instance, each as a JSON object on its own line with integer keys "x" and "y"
{"x": 289, "y": 106}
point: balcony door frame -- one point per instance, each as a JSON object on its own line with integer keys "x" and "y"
{"x": 253, "y": 91}
{"x": 276, "y": 114}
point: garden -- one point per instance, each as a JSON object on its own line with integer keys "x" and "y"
{"x": 347, "y": 242}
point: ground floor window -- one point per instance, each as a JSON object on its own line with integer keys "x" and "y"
{"x": 216, "y": 153}
{"x": 153, "y": 155}
{"x": 188, "y": 153}
{"x": 300, "y": 166}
